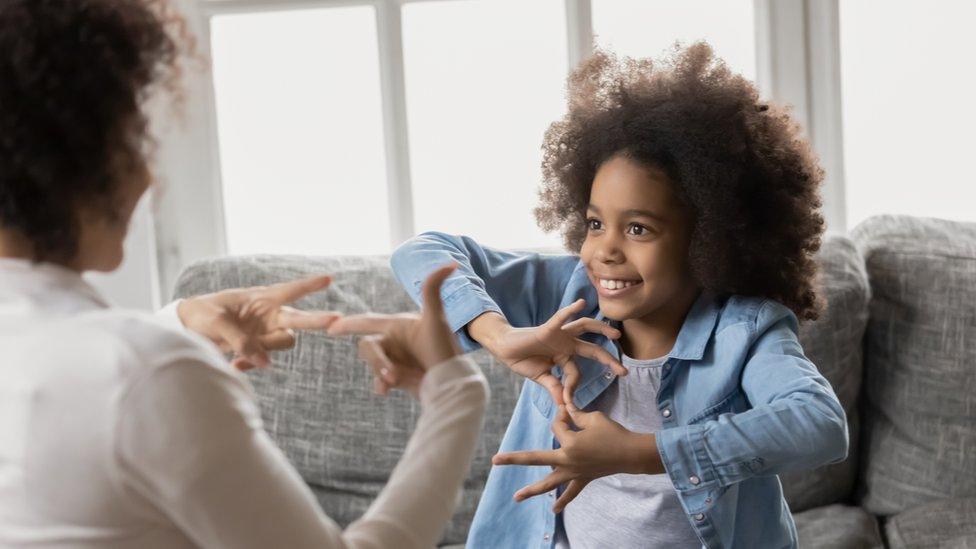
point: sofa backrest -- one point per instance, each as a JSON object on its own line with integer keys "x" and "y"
{"x": 920, "y": 382}
{"x": 317, "y": 402}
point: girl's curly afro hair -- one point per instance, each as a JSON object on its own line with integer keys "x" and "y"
{"x": 739, "y": 164}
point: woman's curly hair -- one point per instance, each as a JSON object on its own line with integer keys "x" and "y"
{"x": 740, "y": 165}
{"x": 74, "y": 78}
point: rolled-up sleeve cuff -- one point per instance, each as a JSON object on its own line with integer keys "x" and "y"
{"x": 463, "y": 305}
{"x": 686, "y": 460}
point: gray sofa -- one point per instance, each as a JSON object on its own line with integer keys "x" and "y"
{"x": 897, "y": 341}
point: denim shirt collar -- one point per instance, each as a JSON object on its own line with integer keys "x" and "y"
{"x": 696, "y": 330}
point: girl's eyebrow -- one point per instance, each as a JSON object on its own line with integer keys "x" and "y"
{"x": 632, "y": 213}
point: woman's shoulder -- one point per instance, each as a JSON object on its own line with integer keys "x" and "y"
{"x": 150, "y": 342}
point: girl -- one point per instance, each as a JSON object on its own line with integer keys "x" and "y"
{"x": 666, "y": 351}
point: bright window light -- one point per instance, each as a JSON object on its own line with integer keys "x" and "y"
{"x": 908, "y": 89}
{"x": 301, "y": 132}
{"x": 484, "y": 79}
{"x": 649, "y": 28}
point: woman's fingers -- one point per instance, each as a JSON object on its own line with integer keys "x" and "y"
{"x": 599, "y": 354}
{"x": 551, "y": 482}
{"x": 245, "y": 345}
{"x": 288, "y": 292}
{"x": 278, "y": 340}
{"x": 586, "y": 325}
{"x": 364, "y": 324}
{"x": 305, "y": 320}
{"x": 573, "y": 489}
{"x": 433, "y": 307}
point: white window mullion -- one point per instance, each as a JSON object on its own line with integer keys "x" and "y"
{"x": 798, "y": 62}
{"x": 399, "y": 192}
{"x": 579, "y": 31}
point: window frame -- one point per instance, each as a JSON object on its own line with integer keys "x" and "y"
{"x": 797, "y": 49}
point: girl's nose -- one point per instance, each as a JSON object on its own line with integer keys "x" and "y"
{"x": 609, "y": 250}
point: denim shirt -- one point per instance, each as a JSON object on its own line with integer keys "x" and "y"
{"x": 740, "y": 400}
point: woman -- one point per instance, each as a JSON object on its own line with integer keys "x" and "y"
{"x": 119, "y": 429}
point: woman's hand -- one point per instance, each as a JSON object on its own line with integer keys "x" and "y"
{"x": 599, "y": 448}
{"x": 252, "y": 321}
{"x": 532, "y": 352}
{"x": 401, "y": 348}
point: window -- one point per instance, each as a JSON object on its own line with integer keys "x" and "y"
{"x": 305, "y": 104}
{"x": 648, "y": 28}
{"x": 300, "y": 131}
{"x": 908, "y": 107}
{"x": 482, "y": 87}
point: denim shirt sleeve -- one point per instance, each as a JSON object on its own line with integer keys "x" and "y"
{"x": 796, "y": 421}
{"x": 526, "y": 288}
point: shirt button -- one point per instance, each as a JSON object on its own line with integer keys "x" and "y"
{"x": 694, "y": 480}
{"x": 699, "y": 517}
{"x": 546, "y": 537}
{"x": 667, "y": 367}
{"x": 666, "y": 413}
{"x": 608, "y": 375}
{"x": 552, "y": 494}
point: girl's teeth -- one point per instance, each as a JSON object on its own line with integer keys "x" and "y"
{"x": 616, "y": 284}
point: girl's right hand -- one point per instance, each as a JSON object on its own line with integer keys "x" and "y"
{"x": 532, "y": 352}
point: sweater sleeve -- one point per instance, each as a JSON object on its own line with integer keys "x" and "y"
{"x": 189, "y": 438}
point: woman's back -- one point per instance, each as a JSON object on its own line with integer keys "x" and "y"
{"x": 71, "y": 369}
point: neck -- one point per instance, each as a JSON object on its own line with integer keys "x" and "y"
{"x": 653, "y": 335}
{"x": 13, "y": 246}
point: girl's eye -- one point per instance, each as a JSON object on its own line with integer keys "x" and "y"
{"x": 594, "y": 224}
{"x": 637, "y": 230}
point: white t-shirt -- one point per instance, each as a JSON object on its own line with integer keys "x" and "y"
{"x": 121, "y": 429}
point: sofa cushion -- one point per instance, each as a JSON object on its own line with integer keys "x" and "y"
{"x": 837, "y": 527}
{"x": 920, "y": 359}
{"x": 833, "y": 342}
{"x": 317, "y": 400}
{"x": 944, "y": 523}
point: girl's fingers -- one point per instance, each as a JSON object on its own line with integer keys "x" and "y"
{"x": 529, "y": 457}
{"x": 553, "y": 385}
{"x": 599, "y": 354}
{"x": 562, "y": 426}
{"x": 551, "y": 482}
{"x": 567, "y": 313}
{"x": 586, "y": 325}
{"x": 573, "y": 489}
{"x": 571, "y": 377}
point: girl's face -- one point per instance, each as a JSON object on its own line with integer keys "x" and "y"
{"x": 636, "y": 246}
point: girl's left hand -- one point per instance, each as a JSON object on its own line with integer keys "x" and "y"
{"x": 599, "y": 448}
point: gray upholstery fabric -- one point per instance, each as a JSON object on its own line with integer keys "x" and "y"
{"x": 833, "y": 342}
{"x": 318, "y": 406}
{"x": 920, "y": 382}
{"x": 317, "y": 402}
{"x": 837, "y": 527}
{"x": 947, "y": 523}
